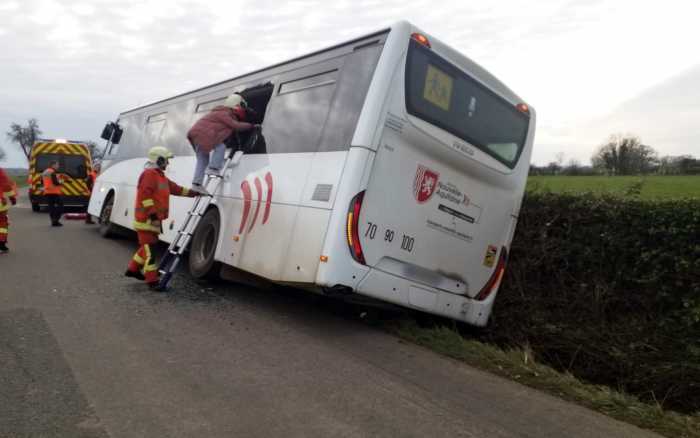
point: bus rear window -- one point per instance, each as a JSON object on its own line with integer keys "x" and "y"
{"x": 443, "y": 95}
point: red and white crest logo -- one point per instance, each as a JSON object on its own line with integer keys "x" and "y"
{"x": 424, "y": 184}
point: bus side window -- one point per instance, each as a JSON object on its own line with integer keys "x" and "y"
{"x": 299, "y": 109}
{"x": 355, "y": 77}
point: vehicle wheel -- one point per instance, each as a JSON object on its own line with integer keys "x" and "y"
{"x": 36, "y": 208}
{"x": 203, "y": 247}
{"x": 107, "y": 228}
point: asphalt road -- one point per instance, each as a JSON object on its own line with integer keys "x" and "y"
{"x": 85, "y": 352}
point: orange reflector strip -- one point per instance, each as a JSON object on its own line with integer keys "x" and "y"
{"x": 236, "y": 238}
{"x": 324, "y": 259}
{"x": 350, "y": 228}
{"x": 523, "y": 108}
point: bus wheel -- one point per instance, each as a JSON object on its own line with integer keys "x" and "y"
{"x": 36, "y": 207}
{"x": 203, "y": 247}
{"x": 107, "y": 228}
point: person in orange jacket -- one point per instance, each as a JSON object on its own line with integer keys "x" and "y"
{"x": 152, "y": 204}
{"x": 8, "y": 195}
{"x": 90, "y": 182}
{"x": 53, "y": 184}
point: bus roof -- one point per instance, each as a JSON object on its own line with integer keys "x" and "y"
{"x": 379, "y": 32}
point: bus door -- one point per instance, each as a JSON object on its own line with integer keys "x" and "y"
{"x": 439, "y": 205}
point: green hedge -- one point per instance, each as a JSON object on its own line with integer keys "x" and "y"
{"x": 608, "y": 289}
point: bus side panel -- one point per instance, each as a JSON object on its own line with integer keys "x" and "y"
{"x": 341, "y": 269}
{"x": 266, "y": 190}
{"x": 312, "y": 220}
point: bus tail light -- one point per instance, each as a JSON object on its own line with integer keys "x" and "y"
{"x": 353, "y": 232}
{"x": 496, "y": 277}
{"x": 523, "y": 108}
{"x": 420, "y": 39}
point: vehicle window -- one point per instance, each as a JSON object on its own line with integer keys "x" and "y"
{"x": 443, "y": 95}
{"x": 205, "y": 107}
{"x": 351, "y": 91}
{"x": 155, "y": 125}
{"x": 72, "y": 165}
{"x": 298, "y": 113}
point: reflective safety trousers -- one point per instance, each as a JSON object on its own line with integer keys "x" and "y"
{"x": 7, "y": 191}
{"x": 4, "y": 226}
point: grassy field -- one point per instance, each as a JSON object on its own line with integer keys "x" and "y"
{"x": 21, "y": 180}
{"x": 648, "y": 187}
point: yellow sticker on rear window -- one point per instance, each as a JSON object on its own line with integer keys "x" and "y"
{"x": 438, "y": 88}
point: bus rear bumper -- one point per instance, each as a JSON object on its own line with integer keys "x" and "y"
{"x": 407, "y": 293}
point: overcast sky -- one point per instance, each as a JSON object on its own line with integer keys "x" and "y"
{"x": 589, "y": 67}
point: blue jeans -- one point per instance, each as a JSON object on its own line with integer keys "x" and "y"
{"x": 218, "y": 156}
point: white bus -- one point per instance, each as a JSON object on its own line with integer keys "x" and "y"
{"x": 390, "y": 166}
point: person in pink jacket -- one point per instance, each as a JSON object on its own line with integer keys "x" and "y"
{"x": 209, "y": 132}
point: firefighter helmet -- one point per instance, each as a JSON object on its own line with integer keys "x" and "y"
{"x": 235, "y": 100}
{"x": 159, "y": 153}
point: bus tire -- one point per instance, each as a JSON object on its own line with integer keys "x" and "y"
{"x": 36, "y": 208}
{"x": 107, "y": 229}
{"x": 203, "y": 247}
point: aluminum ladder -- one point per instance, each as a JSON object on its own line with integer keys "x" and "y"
{"x": 184, "y": 235}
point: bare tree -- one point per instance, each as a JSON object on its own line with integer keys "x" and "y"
{"x": 553, "y": 168}
{"x": 625, "y": 155}
{"x": 24, "y": 136}
{"x": 2, "y": 154}
{"x": 572, "y": 168}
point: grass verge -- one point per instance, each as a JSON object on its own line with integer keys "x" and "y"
{"x": 519, "y": 365}
{"x": 20, "y": 180}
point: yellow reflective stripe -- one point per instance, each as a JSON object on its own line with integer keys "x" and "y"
{"x": 185, "y": 191}
{"x": 3, "y": 230}
{"x": 148, "y": 203}
{"x": 146, "y": 226}
{"x": 4, "y": 207}
{"x": 149, "y": 266}
{"x": 138, "y": 259}
{"x": 10, "y": 194}
{"x": 70, "y": 189}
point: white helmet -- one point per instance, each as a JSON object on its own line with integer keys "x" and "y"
{"x": 157, "y": 152}
{"x": 234, "y": 100}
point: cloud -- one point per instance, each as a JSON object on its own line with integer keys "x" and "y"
{"x": 75, "y": 64}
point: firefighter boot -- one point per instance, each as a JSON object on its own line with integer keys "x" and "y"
{"x": 134, "y": 274}
{"x": 3, "y": 248}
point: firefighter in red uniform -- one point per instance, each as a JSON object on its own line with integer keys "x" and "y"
{"x": 90, "y": 181}
{"x": 152, "y": 195}
{"x": 8, "y": 195}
